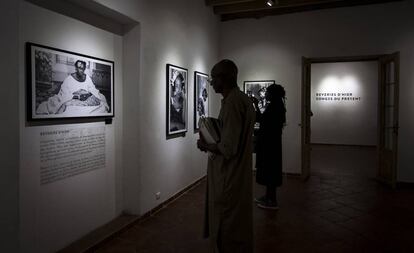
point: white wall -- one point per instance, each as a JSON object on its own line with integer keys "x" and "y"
{"x": 183, "y": 33}
{"x": 56, "y": 214}
{"x": 9, "y": 129}
{"x": 344, "y": 98}
{"x": 128, "y": 194}
{"x": 272, "y": 47}
{"x": 140, "y": 160}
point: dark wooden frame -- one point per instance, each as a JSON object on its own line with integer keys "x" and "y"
{"x": 257, "y": 81}
{"x": 182, "y": 132}
{"x": 31, "y": 85}
{"x": 197, "y": 73}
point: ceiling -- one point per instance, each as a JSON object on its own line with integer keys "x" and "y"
{"x": 236, "y": 9}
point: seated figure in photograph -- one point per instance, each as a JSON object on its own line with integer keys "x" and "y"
{"x": 76, "y": 90}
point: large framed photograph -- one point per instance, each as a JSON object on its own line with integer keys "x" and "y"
{"x": 257, "y": 90}
{"x": 63, "y": 84}
{"x": 200, "y": 97}
{"x": 177, "y": 100}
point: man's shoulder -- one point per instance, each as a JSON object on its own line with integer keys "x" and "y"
{"x": 70, "y": 77}
{"x": 68, "y": 80}
{"x": 239, "y": 99}
{"x": 242, "y": 97}
{"x": 237, "y": 94}
{"x": 88, "y": 78}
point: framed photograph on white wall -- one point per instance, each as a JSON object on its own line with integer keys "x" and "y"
{"x": 63, "y": 84}
{"x": 177, "y": 101}
{"x": 200, "y": 97}
{"x": 257, "y": 90}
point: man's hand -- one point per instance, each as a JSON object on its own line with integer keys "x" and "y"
{"x": 202, "y": 145}
{"x": 75, "y": 102}
{"x": 61, "y": 109}
{"x": 92, "y": 101}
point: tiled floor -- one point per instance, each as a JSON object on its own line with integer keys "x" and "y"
{"x": 337, "y": 210}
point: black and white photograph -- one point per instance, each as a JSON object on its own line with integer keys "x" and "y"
{"x": 64, "y": 84}
{"x": 200, "y": 97}
{"x": 177, "y": 100}
{"x": 257, "y": 90}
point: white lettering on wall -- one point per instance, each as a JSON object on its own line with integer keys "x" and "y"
{"x": 336, "y": 96}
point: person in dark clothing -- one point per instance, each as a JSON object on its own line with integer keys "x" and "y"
{"x": 269, "y": 145}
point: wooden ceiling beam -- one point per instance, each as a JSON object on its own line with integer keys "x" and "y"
{"x": 225, "y": 2}
{"x": 260, "y": 5}
{"x": 279, "y": 10}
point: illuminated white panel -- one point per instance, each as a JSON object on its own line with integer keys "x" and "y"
{"x": 343, "y": 103}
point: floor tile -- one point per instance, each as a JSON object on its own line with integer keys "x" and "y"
{"x": 339, "y": 209}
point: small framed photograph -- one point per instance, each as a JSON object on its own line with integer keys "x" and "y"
{"x": 200, "y": 97}
{"x": 177, "y": 101}
{"x": 63, "y": 84}
{"x": 257, "y": 90}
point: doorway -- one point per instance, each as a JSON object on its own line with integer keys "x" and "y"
{"x": 385, "y": 152}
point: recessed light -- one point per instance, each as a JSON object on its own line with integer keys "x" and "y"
{"x": 270, "y": 3}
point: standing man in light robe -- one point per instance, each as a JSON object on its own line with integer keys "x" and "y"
{"x": 229, "y": 216}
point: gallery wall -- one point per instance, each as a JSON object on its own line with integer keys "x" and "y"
{"x": 182, "y": 33}
{"x": 344, "y": 98}
{"x": 272, "y": 48}
{"x": 9, "y": 129}
{"x": 54, "y": 214}
{"x": 139, "y": 160}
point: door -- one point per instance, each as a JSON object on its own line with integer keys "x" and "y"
{"x": 306, "y": 113}
{"x": 388, "y": 119}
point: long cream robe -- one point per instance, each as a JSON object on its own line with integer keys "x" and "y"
{"x": 68, "y": 87}
{"x": 229, "y": 179}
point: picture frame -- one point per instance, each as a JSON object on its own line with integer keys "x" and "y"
{"x": 257, "y": 89}
{"x": 201, "y": 100}
{"x": 177, "y": 101}
{"x": 67, "y": 85}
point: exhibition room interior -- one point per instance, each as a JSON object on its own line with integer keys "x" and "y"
{"x": 116, "y": 167}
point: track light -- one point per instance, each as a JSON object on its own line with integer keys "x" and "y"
{"x": 270, "y": 3}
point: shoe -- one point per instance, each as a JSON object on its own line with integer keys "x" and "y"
{"x": 270, "y": 205}
{"x": 262, "y": 199}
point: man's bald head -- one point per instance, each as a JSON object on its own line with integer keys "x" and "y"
{"x": 227, "y": 70}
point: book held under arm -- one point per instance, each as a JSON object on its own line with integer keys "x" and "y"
{"x": 209, "y": 130}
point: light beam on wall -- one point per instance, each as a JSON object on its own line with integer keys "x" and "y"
{"x": 338, "y": 89}
{"x": 339, "y": 84}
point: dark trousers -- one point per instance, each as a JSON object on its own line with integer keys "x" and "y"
{"x": 271, "y": 193}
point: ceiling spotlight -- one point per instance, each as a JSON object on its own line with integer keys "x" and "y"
{"x": 270, "y": 3}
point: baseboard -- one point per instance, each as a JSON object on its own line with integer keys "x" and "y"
{"x": 94, "y": 240}
{"x": 405, "y": 185}
{"x": 291, "y": 174}
{"x": 171, "y": 199}
{"x": 343, "y": 145}
{"x": 103, "y": 234}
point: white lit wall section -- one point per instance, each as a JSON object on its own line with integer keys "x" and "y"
{"x": 182, "y": 33}
{"x": 55, "y": 214}
{"x": 326, "y": 33}
{"x": 344, "y": 103}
